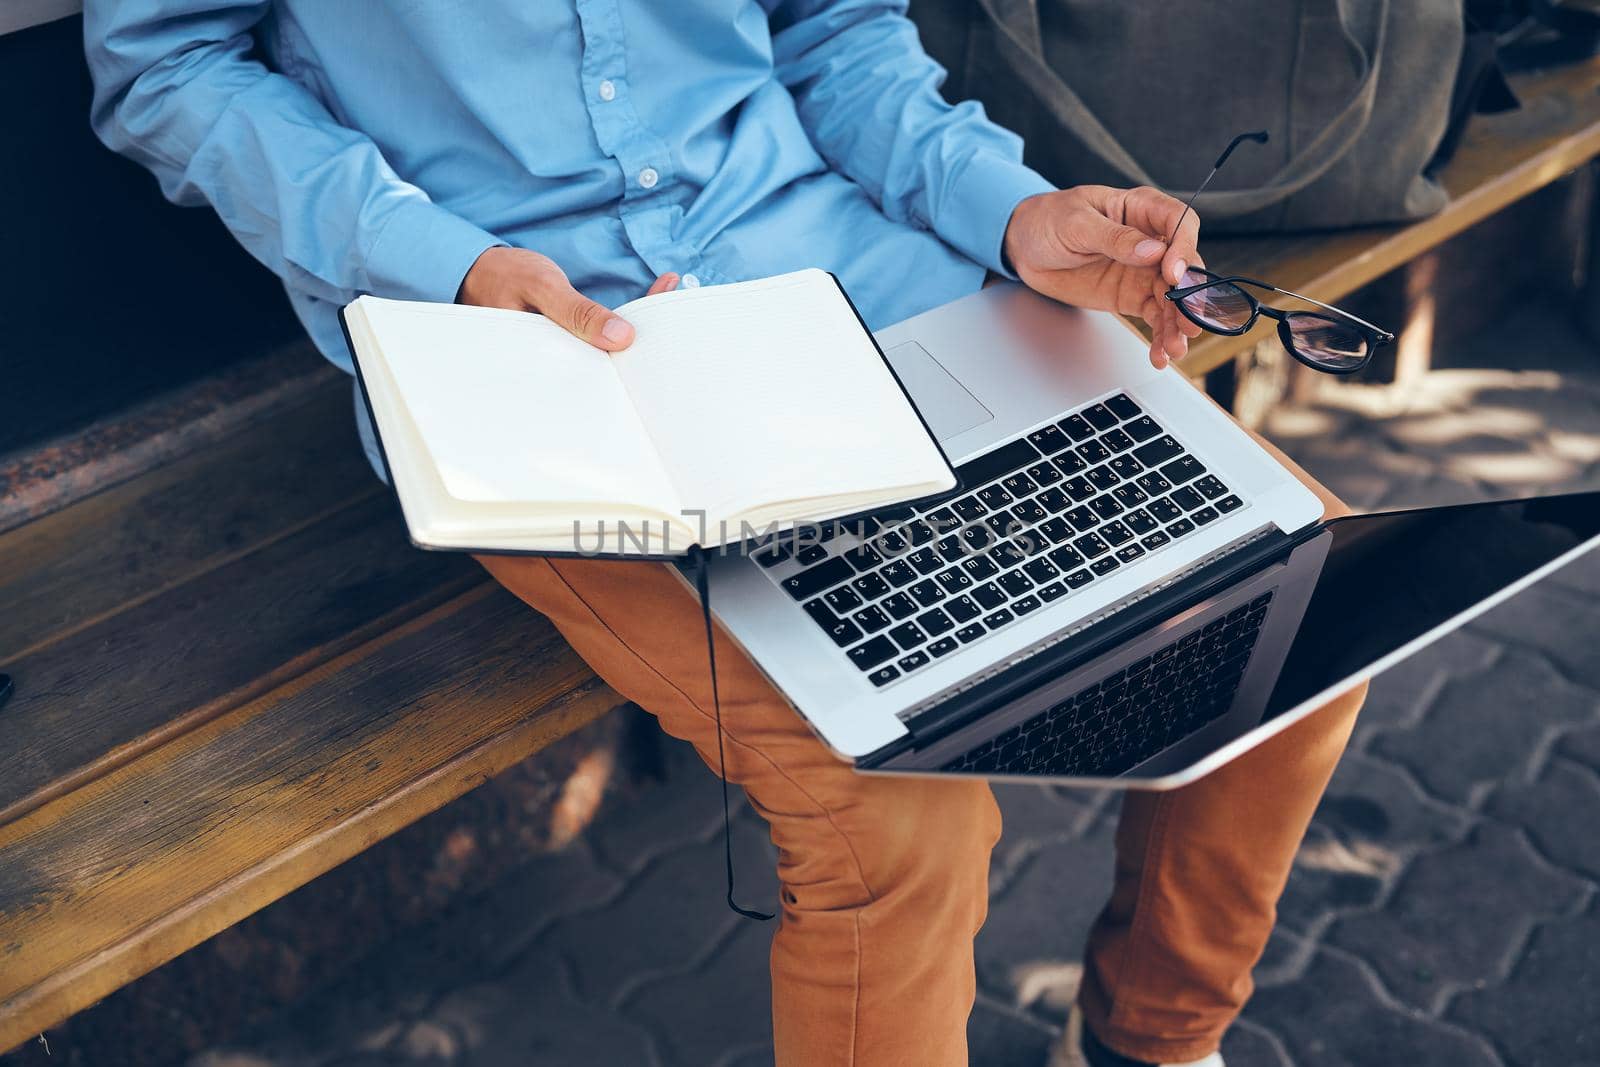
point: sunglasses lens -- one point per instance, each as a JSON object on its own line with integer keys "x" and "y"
{"x": 1328, "y": 343}
{"x": 1221, "y": 307}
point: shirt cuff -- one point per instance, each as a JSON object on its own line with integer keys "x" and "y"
{"x": 423, "y": 252}
{"x": 974, "y": 216}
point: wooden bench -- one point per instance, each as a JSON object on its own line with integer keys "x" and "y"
{"x": 233, "y": 673}
{"x": 1502, "y": 159}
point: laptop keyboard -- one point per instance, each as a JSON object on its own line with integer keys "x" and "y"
{"x": 1130, "y": 715}
{"x": 1045, "y": 516}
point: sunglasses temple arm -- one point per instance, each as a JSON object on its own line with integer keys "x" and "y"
{"x": 1329, "y": 307}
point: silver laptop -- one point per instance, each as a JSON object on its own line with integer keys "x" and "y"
{"x": 1125, "y": 590}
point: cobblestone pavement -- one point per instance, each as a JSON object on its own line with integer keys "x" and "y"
{"x": 1442, "y": 911}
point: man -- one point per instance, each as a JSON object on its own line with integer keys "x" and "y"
{"x": 562, "y": 156}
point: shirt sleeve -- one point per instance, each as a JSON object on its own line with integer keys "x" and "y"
{"x": 868, "y": 95}
{"x": 178, "y": 88}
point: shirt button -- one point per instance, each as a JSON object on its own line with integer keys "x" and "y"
{"x": 608, "y": 91}
{"x": 648, "y": 178}
{"x": 690, "y": 281}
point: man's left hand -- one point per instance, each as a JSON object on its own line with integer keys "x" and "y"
{"x": 1097, "y": 247}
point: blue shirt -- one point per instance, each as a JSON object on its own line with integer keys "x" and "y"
{"x": 379, "y": 146}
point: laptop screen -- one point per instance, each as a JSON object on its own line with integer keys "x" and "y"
{"x": 1217, "y": 677}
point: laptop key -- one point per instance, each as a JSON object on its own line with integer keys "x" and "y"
{"x": 925, "y": 560}
{"x": 953, "y": 579}
{"x": 1102, "y": 478}
{"x": 950, "y": 548}
{"x": 1204, "y": 515}
{"x": 1045, "y": 473}
{"x": 772, "y": 555}
{"x": 1094, "y": 451}
{"x": 883, "y": 675}
{"x": 1164, "y": 510}
{"x": 891, "y": 542}
{"x": 1007, "y": 554}
{"x": 1129, "y": 553}
{"x": 1105, "y": 565}
{"x": 943, "y": 647}
{"x": 1115, "y": 533}
{"x": 1143, "y": 428}
{"x": 963, "y": 608}
{"x": 1069, "y": 463}
{"x": 899, "y": 573}
{"x": 968, "y": 509}
{"x": 1160, "y": 450}
{"x": 843, "y": 599}
{"x": 907, "y": 636}
{"x": 1091, "y": 545}
{"x": 1053, "y": 500}
{"x": 998, "y": 619}
{"x": 1066, "y": 557}
{"x": 1040, "y": 570}
{"x": 1106, "y": 506}
{"x": 980, "y": 567}
{"x": 1053, "y": 591}
{"x": 1029, "y": 512}
{"x": 843, "y": 631}
{"x": 1048, "y": 439}
{"x": 1082, "y": 518}
{"x": 1056, "y": 529}
{"x": 1181, "y": 527}
{"x": 1098, "y": 416}
{"x": 870, "y": 618}
{"x": 1015, "y": 583}
{"x": 810, "y": 554}
{"x": 813, "y": 580}
{"x": 989, "y": 596}
{"x": 1139, "y": 521}
{"x": 1122, "y": 406}
{"x": 1129, "y": 495}
{"x": 1076, "y": 427}
{"x": 1080, "y": 489}
{"x": 1079, "y": 579}
{"x": 994, "y": 497}
{"x": 872, "y": 653}
{"x": 1211, "y": 487}
{"x": 1153, "y": 541}
{"x": 900, "y": 606}
{"x": 935, "y": 622}
{"x": 998, "y": 462}
{"x": 1183, "y": 469}
{"x": 1026, "y": 604}
{"x": 1018, "y": 484}
{"x": 927, "y": 592}
{"x": 913, "y": 661}
{"x": 1186, "y": 498}
{"x": 862, "y": 557}
{"x": 870, "y": 586}
{"x": 1116, "y": 440}
{"x": 968, "y": 634}
{"x": 918, "y": 532}
{"x": 1229, "y": 503}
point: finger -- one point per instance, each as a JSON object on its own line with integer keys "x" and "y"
{"x": 664, "y": 284}
{"x": 558, "y": 301}
{"x": 1092, "y": 233}
{"x": 1157, "y": 212}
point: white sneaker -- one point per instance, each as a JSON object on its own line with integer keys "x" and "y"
{"x": 1068, "y": 1052}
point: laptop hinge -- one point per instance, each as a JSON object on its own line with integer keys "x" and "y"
{"x": 1057, "y": 655}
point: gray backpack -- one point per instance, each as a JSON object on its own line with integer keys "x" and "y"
{"x": 1355, "y": 93}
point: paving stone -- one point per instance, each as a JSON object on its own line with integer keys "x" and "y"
{"x": 531, "y": 1017}
{"x": 1545, "y": 1013}
{"x": 995, "y": 1036}
{"x": 1483, "y": 727}
{"x": 1369, "y": 823}
{"x": 1546, "y": 808}
{"x": 1248, "y": 1045}
{"x": 1044, "y": 917}
{"x": 1458, "y": 916}
{"x": 655, "y": 817}
{"x": 1334, "y": 1017}
{"x": 724, "y": 1003}
{"x": 1582, "y": 745}
{"x": 1034, "y": 816}
{"x": 1400, "y": 696}
{"x": 672, "y": 913}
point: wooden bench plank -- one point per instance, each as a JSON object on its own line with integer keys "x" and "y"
{"x": 1502, "y": 159}
{"x": 106, "y": 692}
{"x": 128, "y": 543}
{"x": 115, "y": 878}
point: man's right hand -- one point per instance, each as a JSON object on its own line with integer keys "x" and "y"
{"x": 520, "y": 280}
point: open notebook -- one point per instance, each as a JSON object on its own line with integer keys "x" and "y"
{"x": 738, "y": 410}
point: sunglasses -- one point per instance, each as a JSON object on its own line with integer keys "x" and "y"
{"x": 1329, "y": 340}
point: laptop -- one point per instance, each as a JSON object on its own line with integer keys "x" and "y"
{"x": 1126, "y": 590}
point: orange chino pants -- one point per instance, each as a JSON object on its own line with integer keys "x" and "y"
{"x": 884, "y": 880}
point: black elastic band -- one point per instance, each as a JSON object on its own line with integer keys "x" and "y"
{"x": 703, "y": 584}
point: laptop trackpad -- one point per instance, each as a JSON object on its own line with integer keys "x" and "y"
{"x": 943, "y": 401}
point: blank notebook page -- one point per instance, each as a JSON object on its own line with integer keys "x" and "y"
{"x": 514, "y": 409}
{"x": 773, "y": 392}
